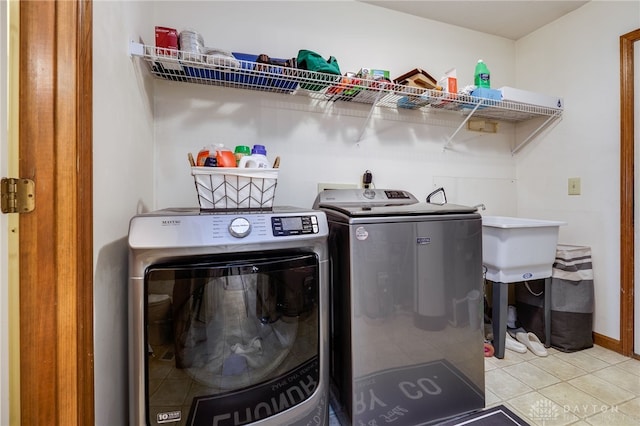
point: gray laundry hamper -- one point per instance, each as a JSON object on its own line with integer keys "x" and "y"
{"x": 572, "y": 299}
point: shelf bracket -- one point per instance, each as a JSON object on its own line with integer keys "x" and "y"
{"x": 450, "y": 138}
{"x": 136, "y": 49}
{"x": 535, "y": 133}
{"x": 364, "y": 125}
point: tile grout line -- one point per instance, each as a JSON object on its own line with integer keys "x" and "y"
{"x": 561, "y": 356}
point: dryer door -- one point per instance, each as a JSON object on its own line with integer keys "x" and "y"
{"x": 233, "y": 338}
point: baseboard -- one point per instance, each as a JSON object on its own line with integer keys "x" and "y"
{"x": 612, "y": 344}
{"x": 607, "y": 342}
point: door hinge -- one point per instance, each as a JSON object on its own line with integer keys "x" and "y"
{"x": 18, "y": 195}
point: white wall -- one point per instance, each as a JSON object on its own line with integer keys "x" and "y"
{"x": 123, "y": 186}
{"x": 578, "y": 57}
{"x": 322, "y": 147}
{"x": 143, "y": 130}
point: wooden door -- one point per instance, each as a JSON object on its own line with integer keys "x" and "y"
{"x": 56, "y": 278}
{"x": 627, "y": 199}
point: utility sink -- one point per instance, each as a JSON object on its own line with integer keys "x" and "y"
{"x": 516, "y": 249}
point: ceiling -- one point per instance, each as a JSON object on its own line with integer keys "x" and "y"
{"x": 509, "y": 19}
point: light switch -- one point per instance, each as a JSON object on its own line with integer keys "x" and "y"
{"x": 574, "y": 186}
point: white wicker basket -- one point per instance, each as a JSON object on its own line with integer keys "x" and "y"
{"x": 230, "y": 188}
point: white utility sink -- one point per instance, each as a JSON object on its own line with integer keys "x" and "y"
{"x": 516, "y": 249}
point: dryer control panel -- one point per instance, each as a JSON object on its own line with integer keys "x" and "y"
{"x": 191, "y": 228}
{"x": 284, "y": 226}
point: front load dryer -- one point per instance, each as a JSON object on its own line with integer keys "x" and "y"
{"x": 406, "y": 320}
{"x": 228, "y": 318}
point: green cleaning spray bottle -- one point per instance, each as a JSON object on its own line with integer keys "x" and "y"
{"x": 481, "y": 76}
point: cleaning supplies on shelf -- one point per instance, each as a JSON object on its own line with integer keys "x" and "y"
{"x": 224, "y": 156}
{"x": 216, "y": 156}
{"x": 482, "y": 76}
{"x": 204, "y": 154}
{"x": 257, "y": 159}
{"x": 449, "y": 82}
{"x": 240, "y": 151}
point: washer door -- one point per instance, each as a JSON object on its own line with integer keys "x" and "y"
{"x": 240, "y": 341}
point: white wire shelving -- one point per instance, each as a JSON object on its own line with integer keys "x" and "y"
{"x": 214, "y": 70}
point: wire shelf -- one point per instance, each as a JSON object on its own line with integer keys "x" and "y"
{"x": 214, "y": 70}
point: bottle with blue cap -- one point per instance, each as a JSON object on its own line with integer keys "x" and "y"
{"x": 257, "y": 159}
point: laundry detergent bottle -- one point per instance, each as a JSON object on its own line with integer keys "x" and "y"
{"x": 257, "y": 159}
{"x": 481, "y": 76}
{"x": 207, "y": 157}
{"x": 240, "y": 151}
{"x": 224, "y": 156}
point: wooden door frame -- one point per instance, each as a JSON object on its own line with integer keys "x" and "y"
{"x": 56, "y": 239}
{"x": 627, "y": 176}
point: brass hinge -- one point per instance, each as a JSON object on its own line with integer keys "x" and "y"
{"x": 18, "y": 195}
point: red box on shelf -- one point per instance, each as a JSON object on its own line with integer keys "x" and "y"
{"x": 166, "y": 41}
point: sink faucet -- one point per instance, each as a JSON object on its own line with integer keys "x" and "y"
{"x": 479, "y": 206}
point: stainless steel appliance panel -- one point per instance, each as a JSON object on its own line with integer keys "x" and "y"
{"x": 406, "y": 317}
{"x": 226, "y": 329}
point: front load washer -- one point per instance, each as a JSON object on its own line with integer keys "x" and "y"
{"x": 406, "y": 313}
{"x": 228, "y": 317}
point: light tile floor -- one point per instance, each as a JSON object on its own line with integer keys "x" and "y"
{"x": 594, "y": 386}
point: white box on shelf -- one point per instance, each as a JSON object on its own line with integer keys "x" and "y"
{"x": 533, "y": 98}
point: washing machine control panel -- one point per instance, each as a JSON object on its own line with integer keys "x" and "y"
{"x": 284, "y": 226}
